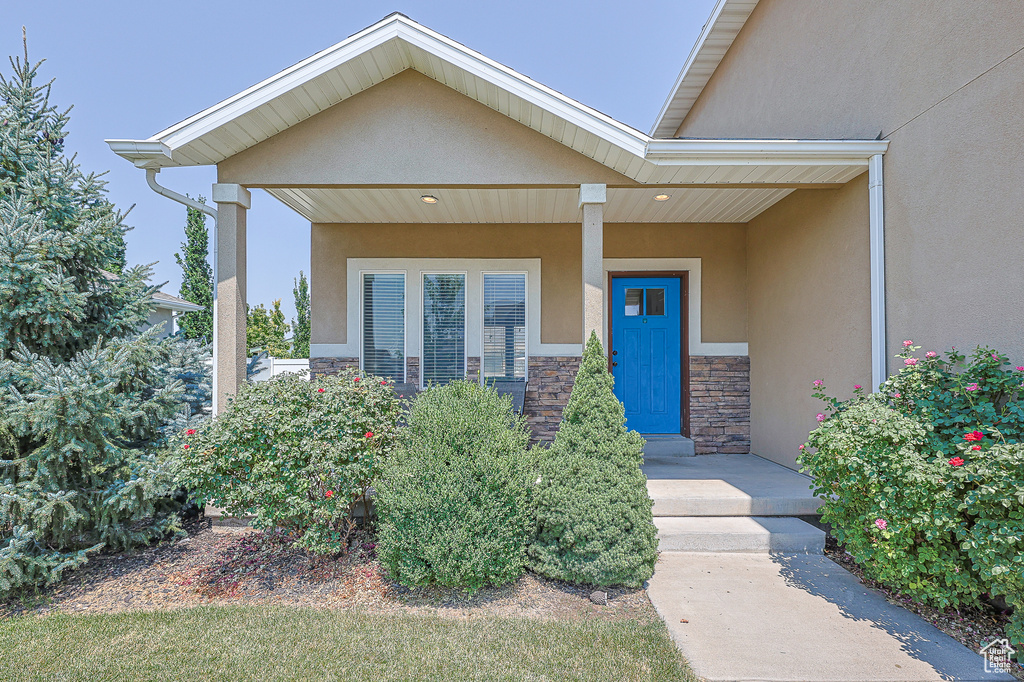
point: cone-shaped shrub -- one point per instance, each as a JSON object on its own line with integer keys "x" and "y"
{"x": 593, "y": 514}
{"x": 453, "y": 503}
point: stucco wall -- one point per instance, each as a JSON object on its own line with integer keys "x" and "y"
{"x": 410, "y": 129}
{"x": 722, "y": 248}
{"x": 936, "y": 77}
{"x": 810, "y": 311}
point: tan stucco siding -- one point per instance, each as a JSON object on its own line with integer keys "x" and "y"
{"x": 722, "y": 248}
{"x": 944, "y": 82}
{"x": 411, "y": 130}
{"x": 558, "y": 247}
{"x": 810, "y": 311}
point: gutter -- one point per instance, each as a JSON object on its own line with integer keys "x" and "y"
{"x": 212, "y": 212}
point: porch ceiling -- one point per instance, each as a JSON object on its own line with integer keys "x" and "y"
{"x": 526, "y": 205}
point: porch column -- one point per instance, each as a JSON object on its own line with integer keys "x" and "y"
{"x": 230, "y": 311}
{"x": 592, "y": 200}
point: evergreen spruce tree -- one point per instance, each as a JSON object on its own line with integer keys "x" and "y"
{"x": 85, "y": 400}
{"x": 592, "y": 510}
{"x": 196, "y": 277}
{"x": 266, "y": 331}
{"x": 300, "y": 325}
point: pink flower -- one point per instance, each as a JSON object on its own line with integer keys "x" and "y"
{"x": 971, "y": 387}
{"x": 897, "y": 395}
{"x": 881, "y": 523}
{"x": 356, "y": 379}
{"x": 856, "y": 387}
{"x": 908, "y": 343}
{"x": 910, "y": 362}
{"x": 820, "y": 417}
{"x": 1021, "y": 368}
{"x": 383, "y": 383}
{"x": 190, "y": 432}
{"x": 975, "y": 447}
{"x": 957, "y": 462}
{"x": 974, "y": 435}
{"x": 801, "y": 447}
{"x": 369, "y": 434}
{"x": 319, "y": 390}
{"x": 995, "y": 357}
{"x": 818, "y": 383}
{"x": 329, "y": 494}
{"x": 931, "y": 354}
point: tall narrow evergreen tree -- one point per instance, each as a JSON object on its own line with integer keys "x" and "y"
{"x": 196, "y": 277}
{"x": 300, "y": 325}
{"x": 85, "y": 400}
{"x": 593, "y": 513}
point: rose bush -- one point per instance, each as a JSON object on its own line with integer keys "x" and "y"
{"x": 296, "y": 454}
{"x": 923, "y": 481}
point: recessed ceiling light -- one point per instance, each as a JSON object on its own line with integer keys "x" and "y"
{"x": 661, "y": 197}
{"x": 428, "y": 199}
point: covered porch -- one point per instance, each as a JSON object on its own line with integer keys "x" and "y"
{"x": 467, "y": 221}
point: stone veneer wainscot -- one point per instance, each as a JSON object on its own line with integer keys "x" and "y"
{"x": 720, "y": 404}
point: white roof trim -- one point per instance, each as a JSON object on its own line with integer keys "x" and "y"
{"x": 717, "y": 36}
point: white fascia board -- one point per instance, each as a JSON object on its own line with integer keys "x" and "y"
{"x": 143, "y": 153}
{"x": 414, "y": 34}
{"x": 700, "y": 152}
{"x": 701, "y": 39}
{"x": 176, "y": 307}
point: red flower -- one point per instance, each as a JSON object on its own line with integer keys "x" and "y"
{"x": 356, "y": 379}
{"x": 974, "y": 435}
{"x": 190, "y": 432}
{"x": 383, "y": 383}
{"x": 319, "y": 390}
{"x": 369, "y": 434}
{"x": 975, "y": 447}
{"x": 329, "y": 494}
{"x": 957, "y": 462}
{"x": 186, "y": 446}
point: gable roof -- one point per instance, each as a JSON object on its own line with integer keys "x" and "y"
{"x": 717, "y": 36}
{"x": 397, "y": 43}
{"x": 168, "y": 302}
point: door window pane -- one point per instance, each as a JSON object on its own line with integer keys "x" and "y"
{"x": 444, "y": 328}
{"x": 634, "y": 302}
{"x": 384, "y": 325}
{"x": 504, "y": 342}
{"x": 655, "y": 302}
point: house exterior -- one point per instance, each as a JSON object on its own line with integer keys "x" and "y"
{"x": 164, "y": 309}
{"x": 469, "y": 221}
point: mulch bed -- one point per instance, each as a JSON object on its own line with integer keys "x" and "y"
{"x": 245, "y": 567}
{"x": 972, "y": 627}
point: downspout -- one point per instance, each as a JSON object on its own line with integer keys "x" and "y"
{"x": 212, "y": 212}
{"x": 876, "y": 213}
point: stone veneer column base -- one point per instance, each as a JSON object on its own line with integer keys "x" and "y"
{"x": 549, "y": 382}
{"x": 720, "y": 404}
{"x": 326, "y": 366}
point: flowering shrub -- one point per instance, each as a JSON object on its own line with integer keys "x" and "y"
{"x": 923, "y": 481}
{"x": 296, "y": 454}
{"x": 453, "y": 502}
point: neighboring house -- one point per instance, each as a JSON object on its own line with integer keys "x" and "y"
{"x": 165, "y": 310}
{"x": 469, "y": 221}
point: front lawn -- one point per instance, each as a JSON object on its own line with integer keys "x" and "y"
{"x": 260, "y": 642}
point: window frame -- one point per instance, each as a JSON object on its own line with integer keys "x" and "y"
{"x": 526, "y": 317}
{"x": 423, "y": 325}
{"x": 405, "y": 318}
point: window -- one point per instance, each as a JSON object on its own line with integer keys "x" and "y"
{"x": 655, "y": 302}
{"x": 634, "y": 302}
{"x": 444, "y": 328}
{"x": 384, "y": 325}
{"x": 504, "y": 341}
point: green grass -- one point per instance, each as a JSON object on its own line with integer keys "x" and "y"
{"x": 243, "y": 643}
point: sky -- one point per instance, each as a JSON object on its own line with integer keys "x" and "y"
{"x": 133, "y": 68}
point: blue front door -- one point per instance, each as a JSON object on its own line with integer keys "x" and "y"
{"x": 646, "y": 338}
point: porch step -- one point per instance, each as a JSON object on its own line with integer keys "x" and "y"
{"x": 668, "y": 446}
{"x": 727, "y": 485}
{"x": 761, "y": 535}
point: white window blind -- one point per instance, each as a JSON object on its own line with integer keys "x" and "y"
{"x": 504, "y": 342}
{"x": 384, "y": 325}
{"x": 444, "y": 328}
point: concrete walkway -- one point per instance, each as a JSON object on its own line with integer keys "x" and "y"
{"x": 797, "y": 617}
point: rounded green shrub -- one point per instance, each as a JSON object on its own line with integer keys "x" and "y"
{"x": 296, "y": 454}
{"x": 593, "y": 513}
{"x": 923, "y": 481}
{"x": 453, "y": 503}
